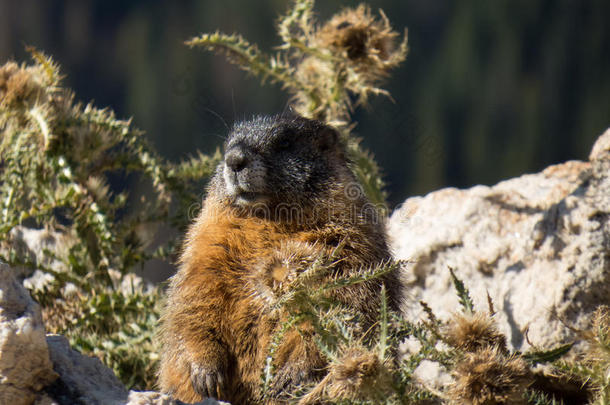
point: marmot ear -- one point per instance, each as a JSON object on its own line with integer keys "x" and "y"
{"x": 328, "y": 138}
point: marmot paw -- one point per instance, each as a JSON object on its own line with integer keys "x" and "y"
{"x": 207, "y": 381}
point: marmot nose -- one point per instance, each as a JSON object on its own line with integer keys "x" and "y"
{"x": 236, "y": 159}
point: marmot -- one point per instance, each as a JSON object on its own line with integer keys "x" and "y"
{"x": 283, "y": 195}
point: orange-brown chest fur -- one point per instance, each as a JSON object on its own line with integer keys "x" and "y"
{"x": 216, "y": 277}
{"x": 217, "y": 306}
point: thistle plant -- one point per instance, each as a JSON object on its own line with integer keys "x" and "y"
{"x": 369, "y": 366}
{"x": 328, "y": 69}
{"x": 593, "y": 367}
{"x": 57, "y": 158}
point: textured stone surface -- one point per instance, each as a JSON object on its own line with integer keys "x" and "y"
{"x": 25, "y": 367}
{"x": 85, "y": 380}
{"x": 32, "y": 245}
{"x": 539, "y": 244}
{"x": 82, "y": 378}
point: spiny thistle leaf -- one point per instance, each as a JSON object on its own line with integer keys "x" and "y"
{"x": 462, "y": 292}
{"x": 296, "y": 26}
{"x": 535, "y": 397}
{"x": 547, "y": 356}
{"x": 432, "y": 319}
{"x": 361, "y": 276}
{"x": 368, "y": 173}
{"x": 594, "y": 368}
{"x": 196, "y": 168}
{"x": 248, "y": 57}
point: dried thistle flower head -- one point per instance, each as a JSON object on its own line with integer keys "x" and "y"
{"x": 368, "y": 43}
{"x": 471, "y": 332}
{"x": 320, "y": 77}
{"x": 6, "y": 72}
{"x": 353, "y": 51}
{"x": 599, "y": 336}
{"x": 17, "y": 84}
{"x": 29, "y": 98}
{"x": 358, "y": 374}
{"x": 595, "y": 369}
{"x": 488, "y": 377}
{"x": 273, "y": 275}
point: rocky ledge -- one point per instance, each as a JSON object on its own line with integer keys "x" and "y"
{"x": 539, "y": 245}
{"x": 44, "y": 370}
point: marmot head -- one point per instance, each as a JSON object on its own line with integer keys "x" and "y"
{"x": 280, "y": 160}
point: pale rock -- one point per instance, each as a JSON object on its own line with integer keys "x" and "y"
{"x": 44, "y": 370}
{"x": 25, "y": 368}
{"x": 85, "y": 380}
{"x": 539, "y": 245}
{"x": 33, "y": 245}
{"x": 432, "y": 375}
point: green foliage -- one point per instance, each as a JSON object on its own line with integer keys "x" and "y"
{"x": 462, "y": 292}
{"x": 594, "y": 368}
{"x": 534, "y": 397}
{"x": 340, "y": 338}
{"x": 467, "y": 347}
{"x": 119, "y": 328}
{"x": 548, "y": 356}
{"x": 57, "y": 159}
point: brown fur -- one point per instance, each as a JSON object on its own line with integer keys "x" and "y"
{"x": 217, "y": 325}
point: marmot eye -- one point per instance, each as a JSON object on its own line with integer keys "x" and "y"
{"x": 284, "y": 144}
{"x": 286, "y": 141}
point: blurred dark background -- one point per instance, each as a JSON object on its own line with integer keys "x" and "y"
{"x": 490, "y": 89}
